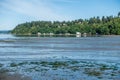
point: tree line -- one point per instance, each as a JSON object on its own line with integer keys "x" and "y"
{"x": 106, "y": 25}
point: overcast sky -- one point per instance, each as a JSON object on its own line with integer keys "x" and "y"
{"x": 14, "y": 12}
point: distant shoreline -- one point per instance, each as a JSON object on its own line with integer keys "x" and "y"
{"x": 63, "y": 35}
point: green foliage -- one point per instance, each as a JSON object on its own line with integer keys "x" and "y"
{"x": 92, "y": 72}
{"x": 1, "y": 65}
{"x": 13, "y": 65}
{"x": 108, "y": 25}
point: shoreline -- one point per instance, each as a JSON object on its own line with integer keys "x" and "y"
{"x": 62, "y": 35}
{"x": 64, "y": 69}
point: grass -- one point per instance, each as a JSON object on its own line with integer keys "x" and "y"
{"x": 104, "y": 67}
{"x": 92, "y": 72}
{"x": 4, "y": 75}
{"x": 1, "y": 65}
{"x": 13, "y": 65}
{"x": 74, "y": 62}
{"x": 44, "y": 63}
{"x": 36, "y": 63}
{"x": 3, "y": 70}
{"x": 98, "y": 70}
{"x": 22, "y": 63}
{"x": 57, "y": 64}
{"x": 113, "y": 74}
{"x": 74, "y": 68}
{"x": 18, "y": 64}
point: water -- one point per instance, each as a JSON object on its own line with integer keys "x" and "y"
{"x": 81, "y": 54}
{"x": 94, "y": 48}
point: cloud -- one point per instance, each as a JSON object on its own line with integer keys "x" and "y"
{"x": 37, "y": 9}
{"x": 14, "y": 12}
{"x": 67, "y": 1}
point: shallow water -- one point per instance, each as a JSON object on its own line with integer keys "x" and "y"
{"x": 94, "y": 48}
{"x": 78, "y": 58}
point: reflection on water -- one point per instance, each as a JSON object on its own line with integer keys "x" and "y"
{"x": 98, "y": 48}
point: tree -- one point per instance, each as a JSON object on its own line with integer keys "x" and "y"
{"x": 118, "y": 14}
{"x": 106, "y": 25}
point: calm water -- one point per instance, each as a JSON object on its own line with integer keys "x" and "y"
{"x": 27, "y": 48}
{"x": 36, "y": 57}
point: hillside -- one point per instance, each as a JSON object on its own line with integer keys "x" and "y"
{"x": 107, "y": 25}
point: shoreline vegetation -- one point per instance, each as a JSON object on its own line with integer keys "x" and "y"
{"x": 62, "y": 35}
{"x": 5, "y": 75}
{"x": 106, "y": 25}
{"x": 68, "y": 70}
{"x": 78, "y": 34}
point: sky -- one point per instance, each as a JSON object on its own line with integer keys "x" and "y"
{"x": 14, "y": 12}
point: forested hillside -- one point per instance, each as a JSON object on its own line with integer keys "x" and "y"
{"x": 107, "y": 25}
